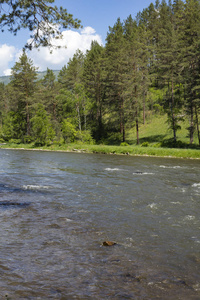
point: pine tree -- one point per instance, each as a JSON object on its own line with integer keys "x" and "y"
{"x": 168, "y": 56}
{"x": 70, "y": 79}
{"x": 49, "y": 92}
{"x": 23, "y": 80}
{"x": 72, "y": 73}
{"x": 93, "y": 78}
{"x": 190, "y": 62}
{"x": 116, "y": 64}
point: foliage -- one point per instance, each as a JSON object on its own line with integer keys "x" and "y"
{"x": 124, "y": 144}
{"x": 43, "y": 19}
{"x": 85, "y": 137}
{"x": 7, "y": 131}
{"x": 145, "y": 144}
{"x": 68, "y": 131}
{"x": 42, "y": 130}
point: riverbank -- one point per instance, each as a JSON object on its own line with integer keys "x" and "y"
{"x": 113, "y": 150}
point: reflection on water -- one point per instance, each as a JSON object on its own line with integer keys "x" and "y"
{"x": 56, "y": 209}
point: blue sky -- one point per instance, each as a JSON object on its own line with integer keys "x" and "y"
{"x": 96, "y": 16}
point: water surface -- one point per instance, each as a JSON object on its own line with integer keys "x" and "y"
{"x": 56, "y": 209}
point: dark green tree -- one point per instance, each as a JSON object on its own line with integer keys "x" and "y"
{"x": 49, "y": 92}
{"x": 167, "y": 60}
{"x": 72, "y": 74}
{"x": 23, "y": 80}
{"x": 116, "y": 65}
{"x": 190, "y": 63}
{"x": 42, "y": 130}
{"x": 70, "y": 78}
{"x": 93, "y": 78}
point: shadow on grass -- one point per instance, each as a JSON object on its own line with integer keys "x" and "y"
{"x": 166, "y": 143}
{"x": 169, "y": 143}
{"x": 149, "y": 139}
{"x": 153, "y": 138}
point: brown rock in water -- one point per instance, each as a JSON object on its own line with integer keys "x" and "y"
{"x": 108, "y": 243}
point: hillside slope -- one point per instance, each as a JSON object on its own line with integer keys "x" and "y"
{"x": 156, "y": 130}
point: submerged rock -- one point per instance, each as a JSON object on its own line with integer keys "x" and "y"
{"x": 108, "y": 243}
{"x": 13, "y": 204}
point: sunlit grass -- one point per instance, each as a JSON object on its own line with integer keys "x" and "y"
{"x": 113, "y": 150}
{"x": 157, "y": 129}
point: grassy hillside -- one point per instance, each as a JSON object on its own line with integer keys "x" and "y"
{"x": 4, "y": 79}
{"x": 156, "y": 131}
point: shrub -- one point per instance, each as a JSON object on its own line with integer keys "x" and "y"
{"x": 145, "y": 144}
{"x": 14, "y": 141}
{"x": 28, "y": 139}
{"x": 124, "y": 144}
{"x": 113, "y": 138}
{"x": 157, "y": 145}
{"x": 68, "y": 131}
{"x": 86, "y": 137}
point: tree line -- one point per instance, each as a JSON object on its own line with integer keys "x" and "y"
{"x": 150, "y": 64}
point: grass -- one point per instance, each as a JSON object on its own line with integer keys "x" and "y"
{"x": 118, "y": 150}
{"x": 156, "y": 130}
{"x": 155, "y": 140}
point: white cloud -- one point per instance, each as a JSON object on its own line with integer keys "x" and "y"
{"x": 7, "y": 54}
{"x": 7, "y": 72}
{"x": 73, "y": 40}
{"x": 43, "y": 59}
{"x": 88, "y": 30}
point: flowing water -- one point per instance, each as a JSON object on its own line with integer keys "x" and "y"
{"x": 56, "y": 210}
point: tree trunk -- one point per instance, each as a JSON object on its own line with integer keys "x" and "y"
{"x": 144, "y": 109}
{"x": 197, "y": 122}
{"x": 122, "y": 126}
{"x": 136, "y": 117}
{"x": 172, "y": 112}
{"x": 85, "y": 119}
{"x": 144, "y": 102}
{"x": 137, "y": 127}
{"x": 191, "y": 124}
{"x": 27, "y": 119}
{"x": 78, "y": 111}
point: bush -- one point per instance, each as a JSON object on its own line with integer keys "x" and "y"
{"x": 124, "y": 144}
{"x": 69, "y": 131}
{"x": 113, "y": 138}
{"x": 15, "y": 141}
{"x": 157, "y": 145}
{"x": 28, "y": 139}
{"x": 59, "y": 142}
{"x": 86, "y": 137}
{"x": 145, "y": 144}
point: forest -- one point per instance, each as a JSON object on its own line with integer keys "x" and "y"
{"x": 149, "y": 65}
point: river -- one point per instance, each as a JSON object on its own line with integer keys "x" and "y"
{"x": 57, "y": 209}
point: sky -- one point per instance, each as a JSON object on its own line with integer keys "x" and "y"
{"x": 96, "y": 16}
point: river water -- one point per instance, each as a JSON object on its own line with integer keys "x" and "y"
{"x": 56, "y": 210}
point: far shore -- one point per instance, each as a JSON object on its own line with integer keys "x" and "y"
{"x": 111, "y": 150}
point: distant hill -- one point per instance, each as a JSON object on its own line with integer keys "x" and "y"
{"x": 6, "y": 79}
